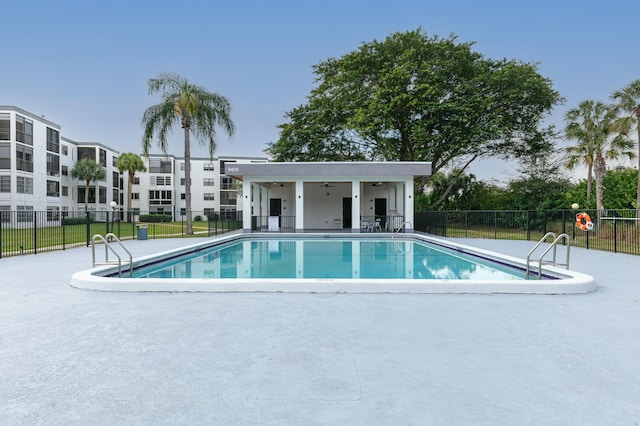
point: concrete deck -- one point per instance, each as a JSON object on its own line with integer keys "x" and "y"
{"x": 76, "y": 357}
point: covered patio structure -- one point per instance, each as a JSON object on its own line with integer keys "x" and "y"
{"x": 348, "y": 196}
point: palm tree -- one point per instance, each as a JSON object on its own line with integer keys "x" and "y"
{"x": 197, "y": 111}
{"x": 591, "y": 124}
{"x": 88, "y": 171}
{"x": 131, "y": 163}
{"x": 629, "y": 101}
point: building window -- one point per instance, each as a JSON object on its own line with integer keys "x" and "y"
{"x": 24, "y": 130}
{"x": 65, "y": 191}
{"x": 5, "y": 213}
{"x": 160, "y": 180}
{"x": 209, "y": 196}
{"x": 53, "y": 140}
{"x": 5, "y": 156}
{"x": 53, "y": 188}
{"x": 86, "y": 153}
{"x": 183, "y": 196}
{"x": 227, "y": 183}
{"x": 115, "y": 178}
{"x": 92, "y": 194}
{"x": 228, "y": 198}
{"x": 136, "y": 181}
{"x": 24, "y": 185}
{"x": 53, "y": 213}
{"x": 5, "y": 127}
{"x": 103, "y": 157}
{"x": 135, "y": 196}
{"x": 115, "y": 194}
{"x": 24, "y": 158}
{"x": 65, "y": 170}
{"x": 5, "y": 183}
{"x": 25, "y": 213}
{"x": 160, "y": 197}
{"x": 65, "y": 150}
{"x": 157, "y": 165}
{"x": 102, "y": 195}
{"x": 210, "y": 214}
{"x": 114, "y": 161}
{"x": 182, "y": 167}
{"x": 208, "y": 182}
{"x": 183, "y": 180}
{"x": 53, "y": 165}
{"x": 209, "y": 167}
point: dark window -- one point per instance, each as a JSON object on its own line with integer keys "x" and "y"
{"x": 92, "y": 195}
{"x": 102, "y": 195}
{"x": 103, "y": 157}
{"x": 5, "y": 127}
{"x": 24, "y": 158}
{"x": 209, "y": 196}
{"x": 65, "y": 191}
{"x": 25, "y": 213}
{"x": 157, "y": 165}
{"x": 88, "y": 153}
{"x": 5, "y": 156}
{"x": 65, "y": 171}
{"x": 53, "y": 165}
{"x": 24, "y": 130}
{"x": 208, "y": 182}
{"x": 159, "y": 197}
{"x": 53, "y": 188}
{"x": 65, "y": 150}
{"x": 115, "y": 176}
{"x": 227, "y": 198}
{"x": 136, "y": 181}
{"x": 223, "y": 164}
{"x": 115, "y": 195}
{"x": 24, "y": 185}
{"x": 53, "y": 140}
{"x": 5, "y": 183}
{"x": 227, "y": 183}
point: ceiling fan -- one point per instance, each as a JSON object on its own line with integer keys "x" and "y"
{"x": 327, "y": 185}
{"x": 376, "y": 184}
{"x": 281, "y": 184}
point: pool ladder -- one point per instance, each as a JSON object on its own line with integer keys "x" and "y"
{"x": 107, "y": 248}
{"x": 553, "y": 246}
{"x": 402, "y": 226}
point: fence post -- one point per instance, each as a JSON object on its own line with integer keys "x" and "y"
{"x": 495, "y": 224}
{"x": 35, "y": 232}
{"x": 615, "y": 233}
{"x": 528, "y": 227}
{"x": 63, "y": 236}
{"x": 88, "y": 227}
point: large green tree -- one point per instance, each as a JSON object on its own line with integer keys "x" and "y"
{"x": 412, "y": 97}
{"x": 197, "y": 110}
{"x": 87, "y": 170}
{"x": 591, "y": 125}
{"x": 628, "y": 100}
{"x": 130, "y": 163}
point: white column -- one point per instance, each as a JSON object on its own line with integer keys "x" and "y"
{"x": 408, "y": 205}
{"x": 299, "y": 203}
{"x": 355, "y": 205}
{"x": 246, "y": 205}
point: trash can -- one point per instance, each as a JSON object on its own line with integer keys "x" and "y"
{"x": 142, "y": 231}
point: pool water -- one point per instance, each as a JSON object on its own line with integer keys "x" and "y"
{"x": 330, "y": 259}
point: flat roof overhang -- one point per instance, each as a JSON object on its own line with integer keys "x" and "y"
{"x": 330, "y": 169}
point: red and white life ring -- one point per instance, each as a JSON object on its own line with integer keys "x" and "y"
{"x": 583, "y": 221}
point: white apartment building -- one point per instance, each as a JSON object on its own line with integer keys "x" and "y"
{"x": 36, "y": 164}
{"x": 161, "y": 189}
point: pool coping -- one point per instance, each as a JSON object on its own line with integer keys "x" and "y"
{"x": 572, "y": 282}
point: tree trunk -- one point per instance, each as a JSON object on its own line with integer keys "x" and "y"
{"x": 187, "y": 180}
{"x": 638, "y": 130}
{"x": 599, "y": 169}
{"x": 129, "y": 191}
{"x": 589, "y": 181}
{"x": 86, "y": 197}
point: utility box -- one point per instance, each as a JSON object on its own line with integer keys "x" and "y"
{"x": 142, "y": 231}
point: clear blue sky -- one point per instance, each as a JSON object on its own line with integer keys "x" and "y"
{"x": 84, "y": 64}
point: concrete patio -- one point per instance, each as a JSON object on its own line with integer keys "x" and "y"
{"x": 75, "y": 357}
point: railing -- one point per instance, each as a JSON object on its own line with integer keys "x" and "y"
{"x": 621, "y": 235}
{"x": 107, "y": 248}
{"x": 553, "y": 245}
{"x": 32, "y": 232}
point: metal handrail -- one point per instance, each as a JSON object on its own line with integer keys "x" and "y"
{"x": 400, "y": 227}
{"x": 107, "y": 247}
{"x": 553, "y": 246}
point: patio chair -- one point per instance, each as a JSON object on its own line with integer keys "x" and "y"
{"x": 364, "y": 225}
{"x": 377, "y": 225}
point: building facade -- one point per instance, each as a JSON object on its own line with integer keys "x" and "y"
{"x": 36, "y": 164}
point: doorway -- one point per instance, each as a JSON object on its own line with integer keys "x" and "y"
{"x": 346, "y": 213}
{"x": 380, "y": 209}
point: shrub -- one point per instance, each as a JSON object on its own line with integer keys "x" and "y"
{"x": 76, "y": 220}
{"x": 198, "y": 218}
{"x": 155, "y": 218}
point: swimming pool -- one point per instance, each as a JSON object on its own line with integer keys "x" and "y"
{"x": 332, "y": 263}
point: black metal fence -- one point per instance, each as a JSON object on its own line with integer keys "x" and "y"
{"x": 31, "y": 232}
{"x": 613, "y": 230}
